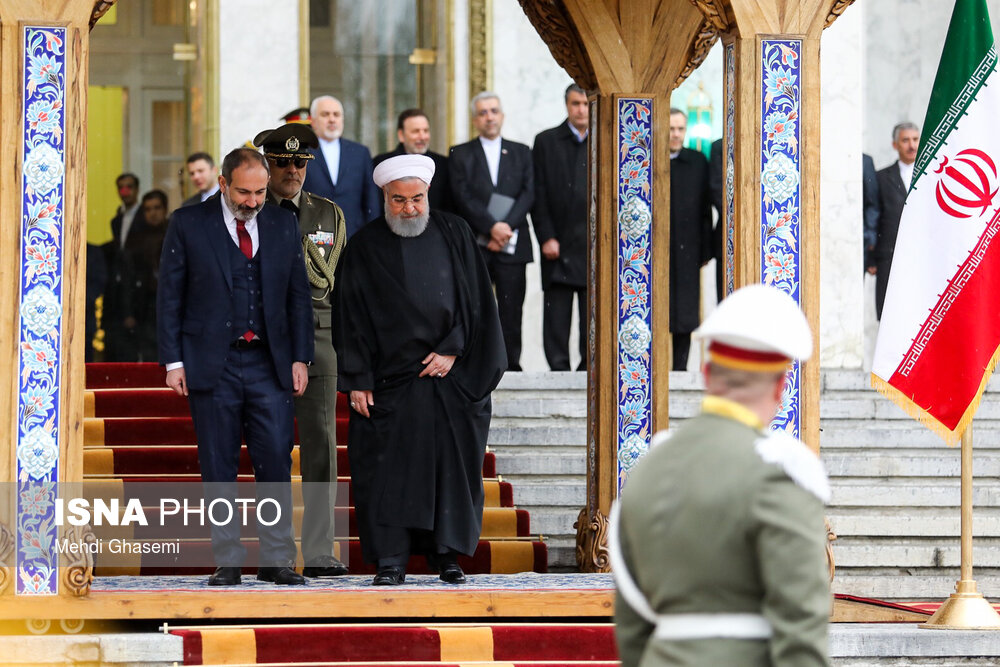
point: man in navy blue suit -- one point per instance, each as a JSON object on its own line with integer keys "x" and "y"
{"x": 234, "y": 324}
{"x": 342, "y": 171}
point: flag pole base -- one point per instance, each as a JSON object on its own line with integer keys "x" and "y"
{"x": 966, "y": 609}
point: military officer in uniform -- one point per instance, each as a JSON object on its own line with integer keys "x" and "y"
{"x": 324, "y": 234}
{"x": 718, "y": 541}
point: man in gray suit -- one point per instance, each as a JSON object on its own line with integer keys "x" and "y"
{"x": 893, "y": 184}
{"x": 324, "y": 233}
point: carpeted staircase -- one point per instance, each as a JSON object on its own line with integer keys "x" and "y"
{"x": 138, "y": 432}
{"x": 550, "y": 644}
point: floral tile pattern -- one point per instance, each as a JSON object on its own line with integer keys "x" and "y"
{"x": 635, "y": 338}
{"x": 40, "y": 326}
{"x": 781, "y": 192}
{"x": 730, "y": 186}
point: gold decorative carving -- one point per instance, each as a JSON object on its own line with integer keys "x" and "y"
{"x": 480, "y": 46}
{"x": 592, "y": 542}
{"x": 830, "y": 537}
{"x": 715, "y": 13}
{"x": 835, "y": 11}
{"x": 553, "y": 25}
{"x": 708, "y": 35}
{"x": 101, "y": 8}
{"x": 78, "y": 572}
{"x": 6, "y": 560}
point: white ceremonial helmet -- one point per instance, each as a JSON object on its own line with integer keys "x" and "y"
{"x": 756, "y": 328}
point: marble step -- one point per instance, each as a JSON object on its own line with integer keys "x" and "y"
{"x": 519, "y": 432}
{"x": 560, "y": 462}
{"x": 900, "y": 585}
{"x": 911, "y": 522}
{"x": 945, "y": 493}
{"x": 910, "y": 552}
{"x": 909, "y": 463}
{"x": 548, "y": 492}
{"x": 894, "y": 434}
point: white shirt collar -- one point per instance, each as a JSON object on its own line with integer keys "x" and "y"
{"x": 230, "y": 220}
{"x": 906, "y": 173}
{"x": 211, "y": 191}
{"x": 576, "y": 133}
{"x": 492, "y": 149}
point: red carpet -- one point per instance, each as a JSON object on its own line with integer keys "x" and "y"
{"x": 522, "y": 644}
{"x": 138, "y": 434}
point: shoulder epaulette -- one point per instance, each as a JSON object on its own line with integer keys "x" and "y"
{"x": 798, "y": 461}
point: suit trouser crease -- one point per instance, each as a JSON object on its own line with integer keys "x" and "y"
{"x": 316, "y": 412}
{"x": 510, "y": 285}
{"x": 248, "y": 403}
{"x": 556, "y": 322}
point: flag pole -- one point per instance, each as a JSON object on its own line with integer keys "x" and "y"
{"x": 966, "y": 609}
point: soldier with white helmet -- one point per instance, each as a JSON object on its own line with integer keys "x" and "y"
{"x": 718, "y": 541}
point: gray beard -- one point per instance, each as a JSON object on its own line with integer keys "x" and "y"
{"x": 407, "y": 227}
{"x": 240, "y": 211}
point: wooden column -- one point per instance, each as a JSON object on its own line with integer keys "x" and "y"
{"x": 772, "y": 66}
{"x": 43, "y": 109}
{"x": 630, "y": 56}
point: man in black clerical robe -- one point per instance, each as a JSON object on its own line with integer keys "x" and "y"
{"x": 420, "y": 350}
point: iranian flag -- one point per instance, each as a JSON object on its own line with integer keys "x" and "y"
{"x": 940, "y": 332}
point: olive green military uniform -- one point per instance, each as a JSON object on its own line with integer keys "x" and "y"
{"x": 721, "y": 518}
{"x": 323, "y": 236}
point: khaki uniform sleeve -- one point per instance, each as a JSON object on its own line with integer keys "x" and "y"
{"x": 790, "y": 540}
{"x": 632, "y": 631}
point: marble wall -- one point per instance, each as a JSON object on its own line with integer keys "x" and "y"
{"x": 841, "y": 273}
{"x": 258, "y": 67}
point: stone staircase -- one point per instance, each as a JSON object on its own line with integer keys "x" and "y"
{"x": 895, "y": 503}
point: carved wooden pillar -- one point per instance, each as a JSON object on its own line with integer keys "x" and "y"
{"x": 630, "y": 56}
{"x": 771, "y": 148}
{"x": 43, "y": 79}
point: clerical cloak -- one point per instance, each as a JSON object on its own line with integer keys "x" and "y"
{"x": 416, "y": 463}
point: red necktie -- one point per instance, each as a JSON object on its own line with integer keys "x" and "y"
{"x": 246, "y": 247}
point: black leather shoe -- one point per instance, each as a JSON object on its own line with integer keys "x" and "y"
{"x": 451, "y": 571}
{"x": 225, "y": 576}
{"x": 285, "y": 576}
{"x": 324, "y": 566}
{"x": 391, "y": 575}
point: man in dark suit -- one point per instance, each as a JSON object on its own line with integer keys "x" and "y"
{"x": 560, "y": 220}
{"x": 893, "y": 184}
{"x": 343, "y": 169}
{"x": 716, "y": 167}
{"x": 493, "y": 188}
{"x": 324, "y": 233}
{"x": 235, "y": 333}
{"x": 127, "y": 228}
{"x": 414, "y": 133}
{"x": 204, "y": 177}
{"x": 690, "y": 236}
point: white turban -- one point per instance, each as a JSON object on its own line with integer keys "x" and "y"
{"x": 404, "y": 166}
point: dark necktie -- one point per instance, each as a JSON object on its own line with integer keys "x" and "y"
{"x": 246, "y": 247}
{"x": 289, "y": 205}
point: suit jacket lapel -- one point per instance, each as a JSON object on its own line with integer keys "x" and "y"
{"x": 484, "y": 166}
{"x": 219, "y": 241}
{"x": 265, "y": 241}
{"x": 503, "y": 167}
{"x": 321, "y": 161}
{"x": 898, "y": 180}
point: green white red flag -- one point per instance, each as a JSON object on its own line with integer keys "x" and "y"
{"x": 940, "y": 331}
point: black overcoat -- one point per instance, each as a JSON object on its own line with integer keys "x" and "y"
{"x": 560, "y": 209}
{"x": 690, "y": 236}
{"x": 416, "y": 463}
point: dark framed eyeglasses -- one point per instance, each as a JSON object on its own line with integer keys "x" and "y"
{"x": 282, "y": 162}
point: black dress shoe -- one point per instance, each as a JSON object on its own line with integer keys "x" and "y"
{"x": 324, "y": 566}
{"x": 285, "y": 576}
{"x": 225, "y": 576}
{"x": 451, "y": 571}
{"x": 391, "y": 575}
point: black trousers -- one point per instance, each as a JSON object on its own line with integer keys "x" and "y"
{"x": 248, "y": 403}
{"x": 682, "y": 345}
{"x": 509, "y": 283}
{"x": 557, "y": 316}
